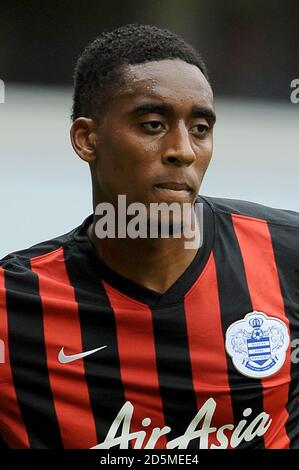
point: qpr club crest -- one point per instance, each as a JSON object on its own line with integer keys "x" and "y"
{"x": 257, "y": 344}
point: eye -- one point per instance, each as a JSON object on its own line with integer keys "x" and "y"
{"x": 152, "y": 125}
{"x": 200, "y": 130}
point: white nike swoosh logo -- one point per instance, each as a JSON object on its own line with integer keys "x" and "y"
{"x": 64, "y": 359}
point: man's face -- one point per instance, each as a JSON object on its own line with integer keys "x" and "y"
{"x": 154, "y": 142}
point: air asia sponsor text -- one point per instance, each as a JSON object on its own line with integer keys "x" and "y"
{"x": 227, "y": 435}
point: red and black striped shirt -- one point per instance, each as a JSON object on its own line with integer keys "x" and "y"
{"x": 165, "y": 378}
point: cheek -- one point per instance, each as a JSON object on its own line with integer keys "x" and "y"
{"x": 123, "y": 165}
{"x": 128, "y": 153}
{"x": 204, "y": 153}
{"x": 112, "y": 162}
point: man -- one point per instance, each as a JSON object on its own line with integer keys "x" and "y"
{"x": 132, "y": 342}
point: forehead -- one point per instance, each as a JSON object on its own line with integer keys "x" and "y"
{"x": 168, "y": 80}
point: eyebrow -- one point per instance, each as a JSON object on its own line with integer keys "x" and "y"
{"x": 163, "y": 108}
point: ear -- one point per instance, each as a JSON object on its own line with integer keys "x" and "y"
{"x": 83, "y": 137}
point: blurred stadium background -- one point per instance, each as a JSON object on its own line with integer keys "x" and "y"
{"x": 252, "y": 51}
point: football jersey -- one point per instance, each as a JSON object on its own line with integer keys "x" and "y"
{"x": 91, "y": 359}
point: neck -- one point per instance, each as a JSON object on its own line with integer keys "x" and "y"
{"x": 154, "y": 263}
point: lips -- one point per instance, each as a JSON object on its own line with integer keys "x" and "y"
{"x": 174, "y": 186}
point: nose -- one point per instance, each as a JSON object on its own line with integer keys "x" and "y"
{"x": 179, "y": 150}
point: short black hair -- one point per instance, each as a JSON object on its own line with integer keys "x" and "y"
{"x": 98, "y": 69}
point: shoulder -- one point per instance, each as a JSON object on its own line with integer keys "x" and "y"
{"x": 257, "y": 223}
{"x": 252, "y": 210}
{"x": 19, "y": 262}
